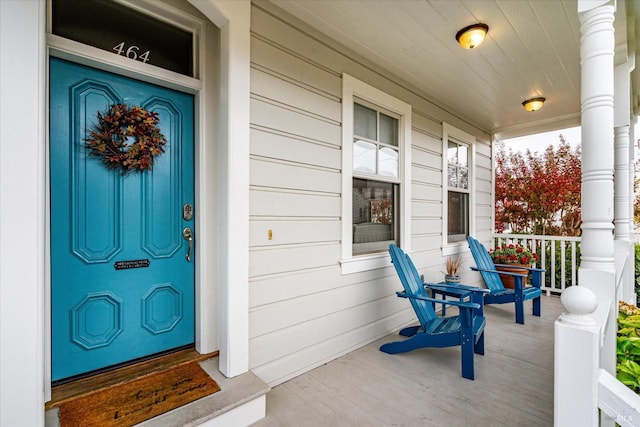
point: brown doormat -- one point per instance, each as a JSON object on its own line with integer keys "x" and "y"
{"x": 138, "y": 400}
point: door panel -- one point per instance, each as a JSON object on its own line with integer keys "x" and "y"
{"x": 122, "y": 287}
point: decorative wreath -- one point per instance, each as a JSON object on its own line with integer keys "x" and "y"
{"x": 108, "y": 139}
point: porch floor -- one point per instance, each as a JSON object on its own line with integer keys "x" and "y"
{"x": 513, "y": 382}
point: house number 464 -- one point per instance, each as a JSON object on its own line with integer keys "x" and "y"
{"x": 131, "y": 52}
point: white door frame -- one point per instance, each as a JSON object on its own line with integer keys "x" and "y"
{"x": 221, "y": 145}
{"x": 233, "y": 17}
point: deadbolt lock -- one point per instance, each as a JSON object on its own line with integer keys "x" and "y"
{"x": 187, "y": 212}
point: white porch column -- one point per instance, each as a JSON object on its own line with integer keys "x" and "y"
{"x": 623, "y": 196}
{"x": 624, "y": 64}
{"x": 632, "y": 153}
{"x": 621, "y": 179}
{"x": 597, "y": 270}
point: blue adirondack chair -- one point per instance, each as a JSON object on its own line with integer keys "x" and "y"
{"x": 520, "y": 293}
{"x": 466, "y": 329}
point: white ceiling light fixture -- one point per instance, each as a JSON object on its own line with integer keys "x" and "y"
{"x": 533, "y": 104}
{"x": 471, "y": 36}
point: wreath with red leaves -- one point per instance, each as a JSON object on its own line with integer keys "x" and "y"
{"x": 108, "y": 140}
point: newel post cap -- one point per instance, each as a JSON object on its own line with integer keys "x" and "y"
{"x": 580, "y": 302}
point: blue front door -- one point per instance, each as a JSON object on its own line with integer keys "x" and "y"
{"x": 122, "y": 284}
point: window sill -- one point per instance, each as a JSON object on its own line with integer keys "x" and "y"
{"x": 455, "y": 248}
{"x": 365, "y": 263}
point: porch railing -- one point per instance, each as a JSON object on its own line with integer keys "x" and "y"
{"x": 559, "y": 256}
{"x": 586, "y": 392}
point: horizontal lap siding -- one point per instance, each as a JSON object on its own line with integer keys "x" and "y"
{"x": 272, "y": 173}
{"x": 268, "y": 202}
{"x": 426, "y": 192}
{"x": 484, "y": 192}
{"x": 303, "y": 312}
{"x": 267, "y": 143}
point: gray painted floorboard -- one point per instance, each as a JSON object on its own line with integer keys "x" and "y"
{"x": 513, "y": 385}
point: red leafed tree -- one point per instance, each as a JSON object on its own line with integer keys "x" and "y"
{"x": 636, "y": 185}
{"x": 539, "y": 193}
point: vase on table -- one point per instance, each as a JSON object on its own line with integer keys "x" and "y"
{"x": 508, "y": 280}
{"x": 451, "y": 279}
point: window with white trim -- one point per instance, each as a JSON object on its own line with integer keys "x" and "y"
{"x": 457, "y": 191}
{"x": 375, "y": 177}
{"x": 457, "y": 188}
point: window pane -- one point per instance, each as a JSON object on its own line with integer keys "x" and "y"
{"x": 452, "y": 153}
{"x": 364, "y": 157}
{"x": 452, "y": 176}
{"x": 388, "y": 162}
{"x": 364, "y": 122}
{"x": 462, "y": 156}
{"x": 458, "y": 170}
{"x": 388, "y": 130}
{"x": 374, "y": 224}
{"x": 463, "y": 178}
{"x": 458, "y": 216}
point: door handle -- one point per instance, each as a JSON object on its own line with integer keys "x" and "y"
{"x": 187, "y": 234}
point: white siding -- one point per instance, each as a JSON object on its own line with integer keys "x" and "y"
{"x": 303, "y": 312}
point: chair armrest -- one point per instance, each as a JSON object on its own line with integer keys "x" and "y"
{"x": 454, "y": 287}
{"x": 542, "y": 270}
{"x": 498, "y": 272}
{"x": 469, "y": 305}
{"x": 536, "y": 274}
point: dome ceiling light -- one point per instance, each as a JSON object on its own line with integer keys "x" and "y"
{"x": 533, "y": 104}
{"x": 471, "y": 36}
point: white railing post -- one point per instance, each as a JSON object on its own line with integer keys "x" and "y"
{"x": 576, "y": 357}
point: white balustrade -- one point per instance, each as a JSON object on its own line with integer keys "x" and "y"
{"x": 585, "y": 395}
{"x": 562, "y": 267}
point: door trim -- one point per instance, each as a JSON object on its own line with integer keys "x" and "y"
{"x": 97, "y": 58}
{"x": 233, "y": 18}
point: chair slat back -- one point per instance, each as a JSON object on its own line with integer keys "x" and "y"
{"x": 483, "y": 260}
{"x": 412, "y": 284}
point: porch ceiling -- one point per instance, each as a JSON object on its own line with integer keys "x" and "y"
{"x": 532, "y": 49}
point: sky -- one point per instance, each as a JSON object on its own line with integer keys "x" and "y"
{"x": 539, "y": 142}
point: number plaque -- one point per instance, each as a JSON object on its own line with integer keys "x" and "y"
{"x": 134, "y": 263}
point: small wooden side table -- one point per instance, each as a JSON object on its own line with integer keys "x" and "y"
{"x": 459, "y": 291}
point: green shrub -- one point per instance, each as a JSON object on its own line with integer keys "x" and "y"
{"x": 628, "y": 339}
{"x": 557, "y": 262}
{"x": 636, "y": 248}
{"x": 628, "y": 346}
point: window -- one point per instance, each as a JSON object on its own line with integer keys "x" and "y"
{"x": 121, "y": 30}
{"x": 458, "y": 148}
{"x": 376, "y": 166}
{"x": 375, "y": 179}
{"x": 458, "y": 191}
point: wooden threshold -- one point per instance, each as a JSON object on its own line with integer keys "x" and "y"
{"x": 71, "y": 390}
